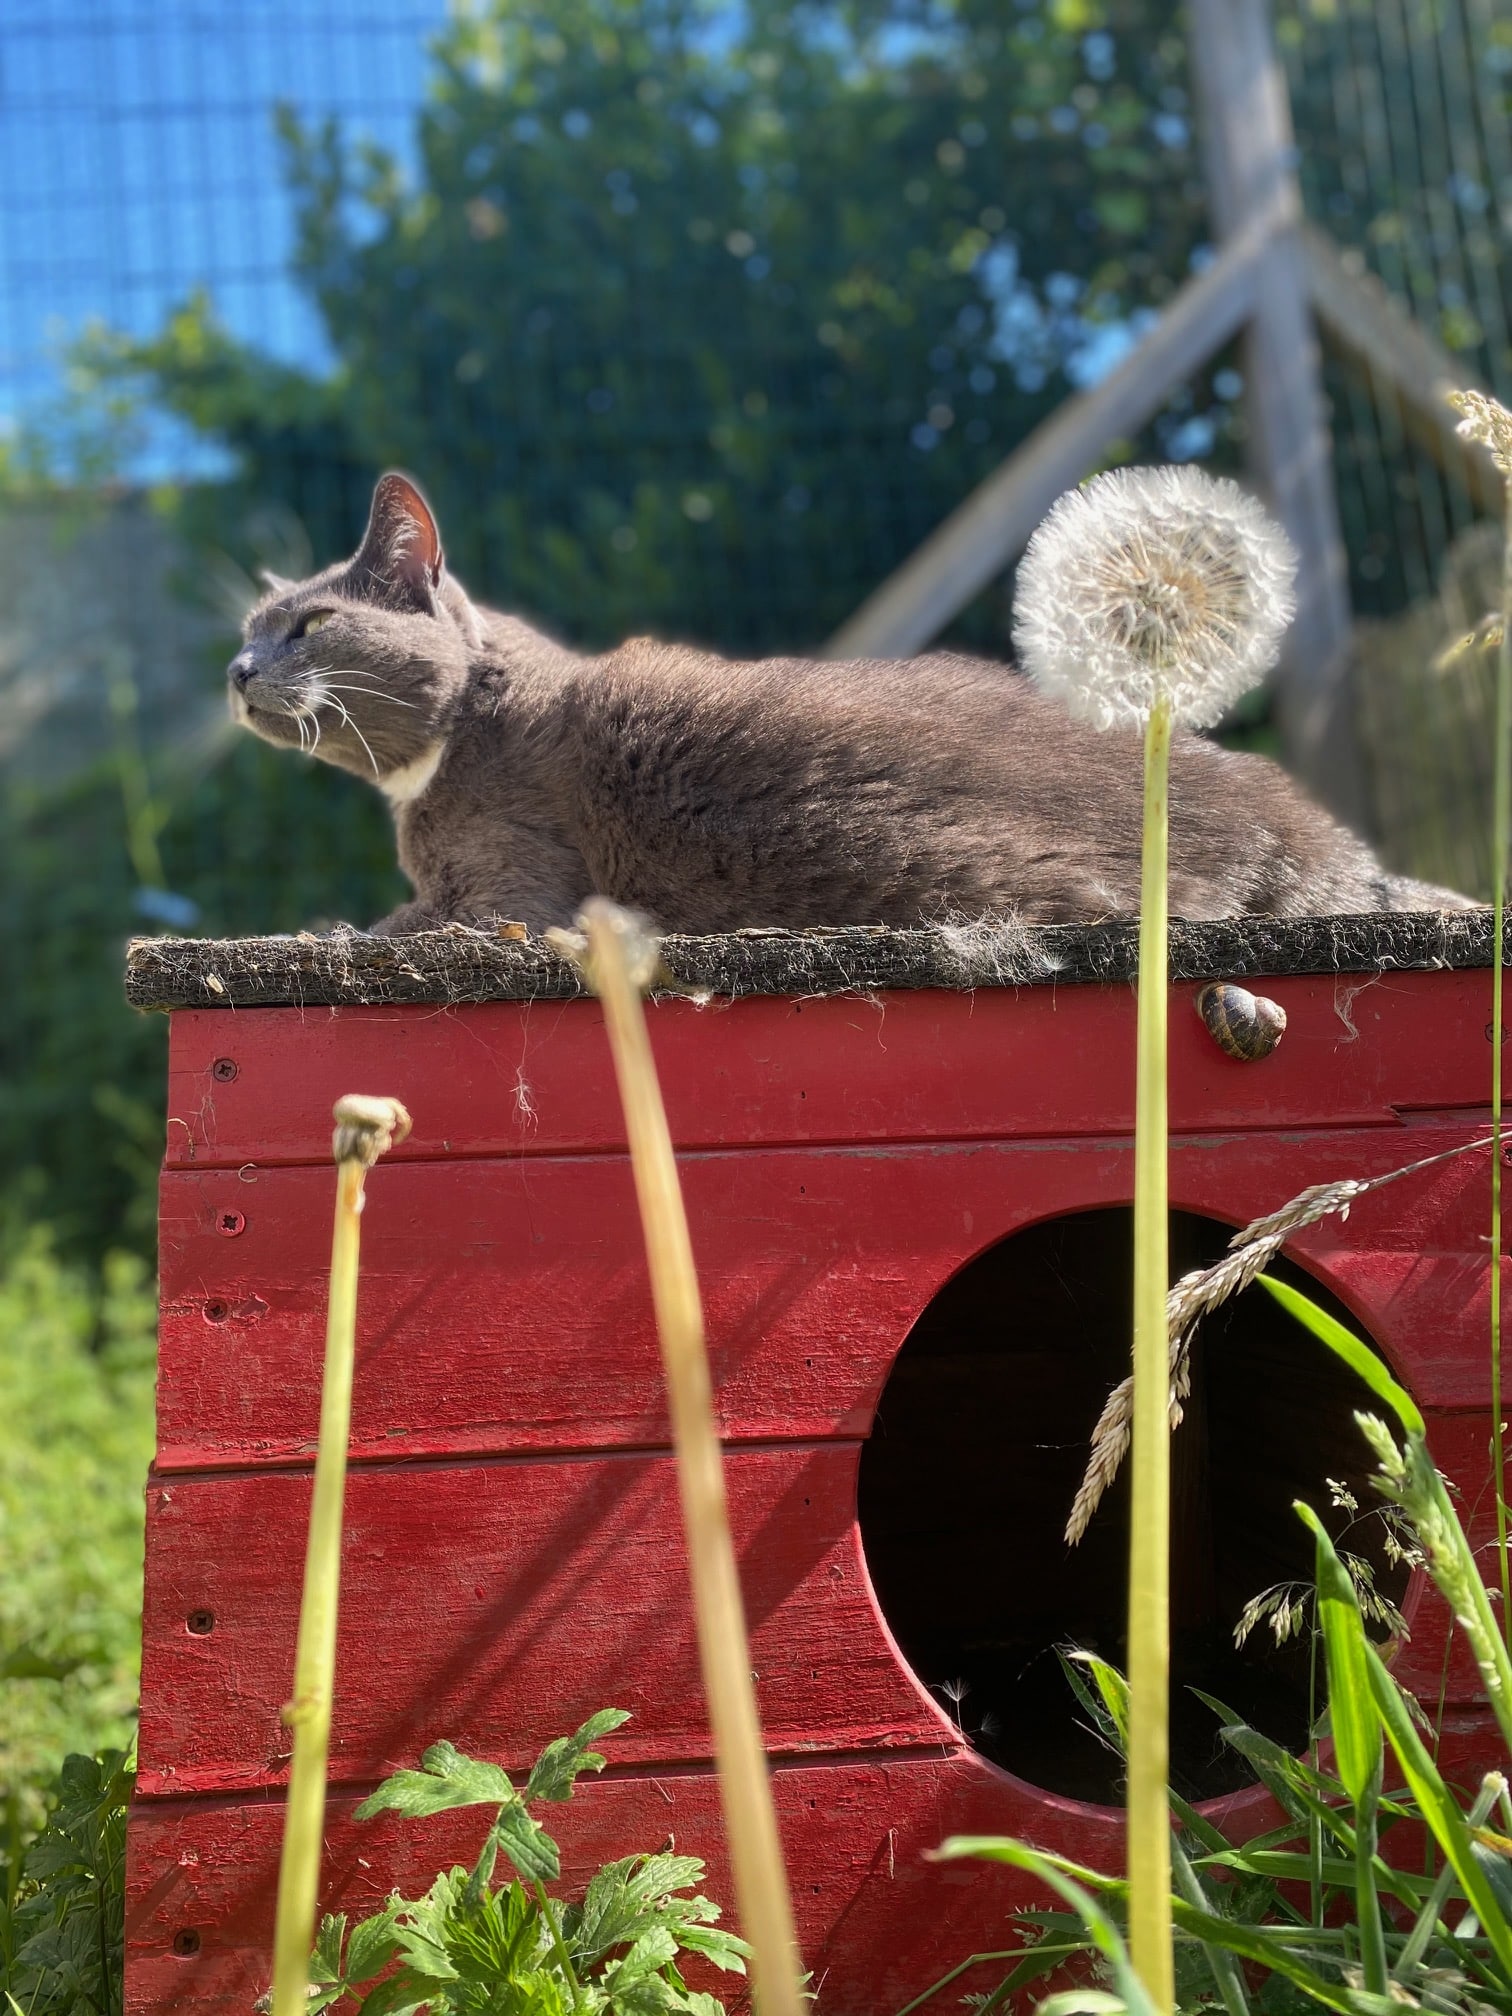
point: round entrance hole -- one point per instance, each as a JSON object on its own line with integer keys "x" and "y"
{"x": 980, "y": 1441}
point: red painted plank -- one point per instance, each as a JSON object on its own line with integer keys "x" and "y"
{"x": 877, "y": 1922}
{"x": 515, "y": 1077}
{"x": 504, "y": 1304}
{"x": 512, "y": 1595}
{"x": 510, "y": 1600}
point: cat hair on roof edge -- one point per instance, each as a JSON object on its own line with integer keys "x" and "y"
{"x": 461, "y": 964}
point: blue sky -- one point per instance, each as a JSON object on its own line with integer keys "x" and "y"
{"x": 138, "y": 160}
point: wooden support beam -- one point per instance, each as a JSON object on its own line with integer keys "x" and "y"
{"x": 983, "y": 535}
{"x": 1360, "y": 316}
{"x": 1250, "y": 154}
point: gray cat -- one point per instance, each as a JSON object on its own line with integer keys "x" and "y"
{"x": 710, "y": 795}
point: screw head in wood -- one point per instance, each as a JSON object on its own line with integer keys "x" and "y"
{"x": 224, "y": 1069}
{"x": 186, "y": 1941}
{"x": 230, "y": 1223}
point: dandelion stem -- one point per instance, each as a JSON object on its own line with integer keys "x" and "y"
{"x": 755, "y": 1847}
{"x": 1149, "y": 1821}
{"x": 365, "y": 1128}
{"x": 1502, "y": 823}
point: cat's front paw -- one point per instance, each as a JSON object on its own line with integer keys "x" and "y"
{"x": 408, "y": 917}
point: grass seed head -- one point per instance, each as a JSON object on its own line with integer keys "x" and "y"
{"x": 1486, "y": 421}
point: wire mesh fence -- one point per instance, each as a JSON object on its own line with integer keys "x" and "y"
{"x": 692, "y": 329}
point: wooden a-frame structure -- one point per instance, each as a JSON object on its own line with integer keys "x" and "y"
{"x": 1276, "y": 280}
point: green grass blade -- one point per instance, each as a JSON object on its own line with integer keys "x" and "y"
{"x": 1265, "y": 1947}
{"x": 1222, "y": 1965}
{"x": 1443, "y": 1887}
{"x": 1074, "y": 1886}
{"x": 1356, "y": 1354}
{"x": 1358, "y": 1743}
{"x": 1439, "y": 1809}
{"x": 1338, "y": 1872}
{"x": 964, "y": 1966}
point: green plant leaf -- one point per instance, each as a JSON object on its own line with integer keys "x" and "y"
{"x": 1359, "y": 1744}
{"x": 371, "y": 1947}
{"x": 721, "y": 1948}
{"x": 61, "y": 1945}
{"x": 448, "y": 1778}
{"x": 560, "y": 1762}
{"x": 627, "y": 1896}
{"x": 400, "y": 1994}
{"x": 325, "y": 1960}
{"x": 527, "y": 1844}
{"x": 1356, "y": 1354}
{"x": 468, "y": 1949}
{"x": 651, "y": 1951}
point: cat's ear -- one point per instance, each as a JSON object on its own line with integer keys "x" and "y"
{"x": 401, "y": 548}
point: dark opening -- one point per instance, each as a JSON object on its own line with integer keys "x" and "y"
{"x": 980, "y": 1441}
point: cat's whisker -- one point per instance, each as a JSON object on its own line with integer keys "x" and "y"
{"x": 377, "y": 773}
{"x": 368, "y": 693}
{"x": 321, "y": 692}
{"x": 322, "y": 696}
{"x": 350, "y": 672}
{"x": 293, "y": 710}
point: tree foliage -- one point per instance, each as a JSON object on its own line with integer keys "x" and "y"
{"x": 697, "y": 321}
{"x": 693, "y": 320}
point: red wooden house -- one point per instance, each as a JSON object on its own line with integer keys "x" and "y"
{"x": 907, "y": 1166}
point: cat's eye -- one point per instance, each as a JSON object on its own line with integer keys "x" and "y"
{"x": 312, "y": 622}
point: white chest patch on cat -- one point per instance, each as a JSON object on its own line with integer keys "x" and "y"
{"x": 404, "y": 785}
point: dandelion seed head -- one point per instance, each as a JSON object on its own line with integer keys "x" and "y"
{"x": 1151, "y": 583}
{"x": 1485, "y": 420}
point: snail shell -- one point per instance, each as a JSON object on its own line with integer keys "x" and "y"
{"x": 1243, "y": 1025}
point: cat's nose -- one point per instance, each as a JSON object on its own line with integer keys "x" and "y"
{"x": 241, "y": 671}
